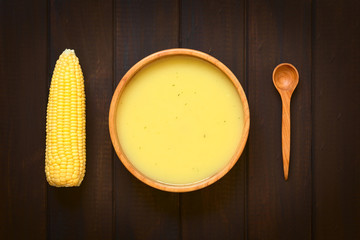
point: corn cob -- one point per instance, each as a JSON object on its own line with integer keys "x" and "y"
{"x": 65, "y": 154}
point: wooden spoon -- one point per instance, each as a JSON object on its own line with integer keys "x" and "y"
{"x": 285, "y": 78}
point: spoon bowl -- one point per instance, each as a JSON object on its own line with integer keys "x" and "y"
{"x": 285, "y": 79}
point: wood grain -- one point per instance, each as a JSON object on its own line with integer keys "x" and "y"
{"x": 23, "y": 57}
{"x": 86, "y": 212}
{"x": 278, "y": 31}
{"x": 216, "y": 28}
{"x": 142, "y": 212}
{"x": 336, "y": 118}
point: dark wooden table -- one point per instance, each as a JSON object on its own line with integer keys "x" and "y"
{"x": 321, "y": 199}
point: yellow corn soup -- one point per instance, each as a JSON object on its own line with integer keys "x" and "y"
{"x": 179, "y": 120}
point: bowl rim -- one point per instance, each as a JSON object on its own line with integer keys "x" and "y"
{"x": 112, "y": 120}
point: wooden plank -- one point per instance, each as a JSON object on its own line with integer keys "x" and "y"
{"x": 23, "y": 74}
{"x": 336, "y": 117}
{"x": 141, "y": 212}
{"x": 279, "y": 31}
{"x": 86, "y": 26}
{"x": 217, "y": 28}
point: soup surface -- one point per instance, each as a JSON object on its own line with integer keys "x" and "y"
{"x": 179, "y": 120}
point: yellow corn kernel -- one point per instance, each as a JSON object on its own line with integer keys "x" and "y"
{"x": 65, "y": 156}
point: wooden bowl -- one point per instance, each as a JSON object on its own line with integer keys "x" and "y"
{"x": 118, "y": 145}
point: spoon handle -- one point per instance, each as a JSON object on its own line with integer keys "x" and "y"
{"x": 285, "y": 135}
